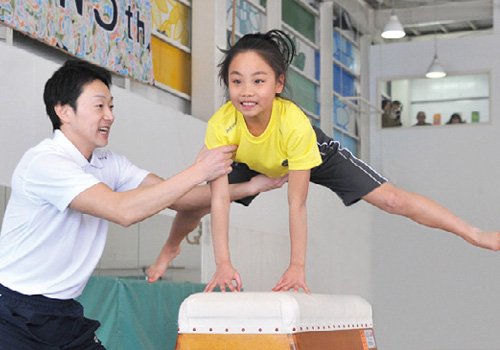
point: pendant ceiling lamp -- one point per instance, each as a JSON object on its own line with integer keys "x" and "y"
{"x": 393, "y": 29}
{"x": 435, "y": 70}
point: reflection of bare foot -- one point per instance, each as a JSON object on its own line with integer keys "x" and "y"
{"x": 158, "y": 268}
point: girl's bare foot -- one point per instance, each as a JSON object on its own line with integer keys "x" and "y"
{"x": 262, "y": 183}
{"x": 158, "y": 268}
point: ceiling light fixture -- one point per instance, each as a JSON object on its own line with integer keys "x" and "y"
{"x": 435, "y": 70}
{"x": 393, "y": 29}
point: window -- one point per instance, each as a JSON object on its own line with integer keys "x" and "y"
{"x": 467, "y": 96}
{"x": 346, "y": 92}
{"x": 250, "y": 17}
{"x": 171, "y": 45}
{"x": 301, "y": 22}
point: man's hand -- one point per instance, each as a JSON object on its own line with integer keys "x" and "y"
{"x": 215, "y": 162}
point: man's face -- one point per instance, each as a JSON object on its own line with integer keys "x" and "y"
{"x": 89, "y": 125}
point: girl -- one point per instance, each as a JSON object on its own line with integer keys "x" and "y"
{"x": 275, "y": 138}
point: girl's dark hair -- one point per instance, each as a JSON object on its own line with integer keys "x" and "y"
{"x": 66, "y": 85}
{"x": 455, "y": 116}
{"x": 275, "y": 47}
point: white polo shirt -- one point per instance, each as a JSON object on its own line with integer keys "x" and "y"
{"x": 46, "y": 247}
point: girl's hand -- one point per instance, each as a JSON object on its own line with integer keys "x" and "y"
{"x": 293, "y": 278}
{"x": 225, "y": 276}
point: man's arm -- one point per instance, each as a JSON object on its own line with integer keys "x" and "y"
{"x": 127, "y": 208}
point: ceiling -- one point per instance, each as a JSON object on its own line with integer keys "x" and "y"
{"x": 423, "y": 17}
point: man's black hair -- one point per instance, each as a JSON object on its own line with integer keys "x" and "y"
{"x": 66, "y": 85}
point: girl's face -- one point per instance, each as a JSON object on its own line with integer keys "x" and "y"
{"x": 252, "y": 86}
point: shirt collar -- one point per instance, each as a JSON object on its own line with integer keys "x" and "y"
{"x": 75, "y": 154}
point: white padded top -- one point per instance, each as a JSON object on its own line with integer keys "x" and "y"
{"x": 272, "y": 313}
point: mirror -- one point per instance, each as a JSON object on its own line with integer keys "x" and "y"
{"x": 453, "y": 99}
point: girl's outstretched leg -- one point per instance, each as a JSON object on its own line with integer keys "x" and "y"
{"x": 427, "y": 212}
{"x": 192, "y": 207}
{"x": 184, "y": 223}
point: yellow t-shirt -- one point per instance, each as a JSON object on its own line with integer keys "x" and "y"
{"x": 288, "y": 143}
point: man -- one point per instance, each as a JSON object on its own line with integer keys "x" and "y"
{"x": 64, "y": 191}
{"x": 421, "y": 119}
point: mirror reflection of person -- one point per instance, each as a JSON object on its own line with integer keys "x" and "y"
{"x": 421, "y": 119}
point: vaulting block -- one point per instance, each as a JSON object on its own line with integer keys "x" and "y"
{"x": 275, "y": 320}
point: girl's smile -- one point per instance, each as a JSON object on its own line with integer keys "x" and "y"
{"x": 252, "y": 87}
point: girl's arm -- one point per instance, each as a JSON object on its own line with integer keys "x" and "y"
{"x": 225, "y": 274}
{"x": 294, "y": 276}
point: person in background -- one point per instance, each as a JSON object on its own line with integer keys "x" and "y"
{"x": 396, "y": 109}
{"x": 421, "y": 119}
{"x": 391, "y": 115}
{"x": 455, "y": 119}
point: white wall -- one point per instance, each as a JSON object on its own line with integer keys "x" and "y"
{"x": 431, "y": 290}
{"x": 160, "y": 139}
